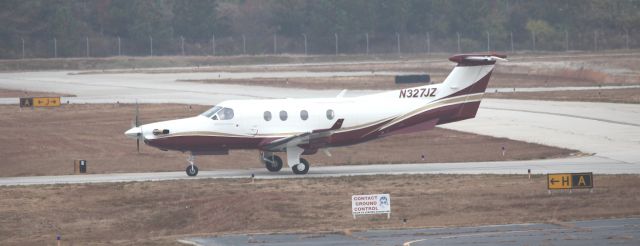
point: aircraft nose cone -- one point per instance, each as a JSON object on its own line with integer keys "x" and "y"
{"x": 133, "y": 132}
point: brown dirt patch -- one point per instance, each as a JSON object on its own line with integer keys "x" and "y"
{"x": 161, "y": 212}
{"x": 46, "y": 141}
{"x": 608, "y": 95}
{"x": 6, "y": 93}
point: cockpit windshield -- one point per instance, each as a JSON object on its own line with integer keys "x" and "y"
{"x": 219, "y": 113}
{"x": 211, "y": 112}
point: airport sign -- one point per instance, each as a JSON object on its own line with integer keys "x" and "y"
{"x": 556, "y": 181}
{"x": 46, "y": 101}
{"x": 28, "y": 102}
{"x": 371, "y": 204}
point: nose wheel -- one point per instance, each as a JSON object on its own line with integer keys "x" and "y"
{"x": 302, "y": 167}
{"x": 192, "y": 169}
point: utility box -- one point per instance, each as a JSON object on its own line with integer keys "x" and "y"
{"x": 79, "y": 166}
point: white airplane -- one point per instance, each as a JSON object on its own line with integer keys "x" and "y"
{"x": 304, "y": 126}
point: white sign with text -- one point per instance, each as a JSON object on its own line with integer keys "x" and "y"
{"x": 371, "y": 204}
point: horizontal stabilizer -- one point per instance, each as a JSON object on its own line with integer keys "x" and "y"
{"x": 477, "y": 59}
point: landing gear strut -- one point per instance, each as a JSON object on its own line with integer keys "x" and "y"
{"x": 272, "y": 162}
{"x": 298, "y": 165}
{"x": 192, "y": 169}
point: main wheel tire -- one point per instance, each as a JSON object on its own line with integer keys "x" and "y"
{"x": 192, "y": 171}
{"x": 299, "y": 169}
{"x": 275, "y": 165}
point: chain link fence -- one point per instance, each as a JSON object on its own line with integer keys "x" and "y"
{"x": 335, "y": 43}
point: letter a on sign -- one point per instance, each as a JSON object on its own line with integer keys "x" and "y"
{"x": 582, "y": 180}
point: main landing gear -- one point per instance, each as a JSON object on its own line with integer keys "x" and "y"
{"x": 272, "y": 162}
{"x": 192, "y": 169}
{"x": 298, "y": 165}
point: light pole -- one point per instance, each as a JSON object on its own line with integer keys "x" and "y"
{"x": 566, "y": 40}
{"x": 305, "y": 43}
{"x": 275, "y": 43}
{"x": 366, "y": 36}
{"x": 488, "y": 41}
{"x": 150, "y": 46}
{"x": 626, "y": 38}
{"x": 428, "y": 44}
{"x": 213, "y": 44}
{"x": 511, "y": 39}
{"x": 87, "y": 46}
{"x": 398, "y": 42}
{"x": 119, "y": 50}
{"x": 244, "y": 45}
{"x": 336, "y": 34}
{"x": 595, "y": 40}
{"x": 533, "y": 38}
{"x": 458, "y": 33}
{"x": 182, "y": 44}
{"x": 22, "y": 48}
{"x": 55, "y": 48}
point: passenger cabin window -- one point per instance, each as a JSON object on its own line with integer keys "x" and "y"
{"x": 304, "y": 115}
{"x": 330, "y": 114}
{"x": 219, "y": 113}
{"x": 267, "y": 115}
{"x": 283, "y": 115}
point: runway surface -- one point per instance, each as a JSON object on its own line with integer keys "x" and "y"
{"x": 592, "y": 232}
{"x": 609, "y": 131}
{"x": 595, "y": 164}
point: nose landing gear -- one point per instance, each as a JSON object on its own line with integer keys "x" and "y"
{"x": 302, "y": 167}
{"x": 192, "y": 169}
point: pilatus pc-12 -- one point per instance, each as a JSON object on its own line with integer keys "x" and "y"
{"x": 303, "y": 126}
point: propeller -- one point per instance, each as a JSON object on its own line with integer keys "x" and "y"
{"x": 136, "y": 124}
{"x": 136, "y": 128}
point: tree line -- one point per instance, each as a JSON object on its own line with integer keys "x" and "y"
{"x": 199, "y": 20}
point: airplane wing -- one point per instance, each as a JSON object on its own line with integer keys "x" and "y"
{"x": 315, "y": 137}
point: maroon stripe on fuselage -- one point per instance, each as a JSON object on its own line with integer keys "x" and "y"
{"x": 205, "y": 143}
{"x": 356, "y": 136}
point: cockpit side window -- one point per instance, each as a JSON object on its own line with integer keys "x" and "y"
{"x": 225, "y": 114}
{"x": 219, "y": 113}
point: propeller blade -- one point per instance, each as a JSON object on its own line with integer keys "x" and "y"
{"x": 137, "y": 124}
{"x": 137, "y": 113}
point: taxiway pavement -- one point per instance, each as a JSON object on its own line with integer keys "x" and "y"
{"x": 595, "y": 164}
{"x": 590, "y": 232}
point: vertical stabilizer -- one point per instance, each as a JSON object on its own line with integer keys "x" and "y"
{"x": 470, "y": 75}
